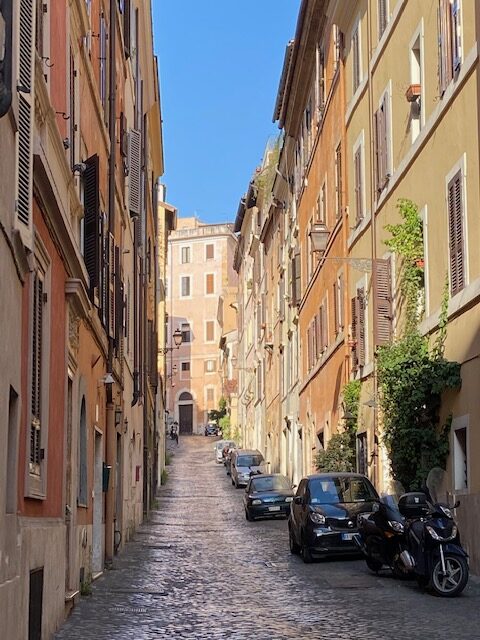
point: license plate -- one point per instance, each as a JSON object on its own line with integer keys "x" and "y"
{"x": 347, "y": 536}
{"x": 274, "y": 508}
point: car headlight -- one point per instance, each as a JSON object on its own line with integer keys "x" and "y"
{"x": 396, "y": 526}
{"x": 438, "y": 538}
{"x": 289, "y": 499}
{"x": 446, "y": 511}
{"x": 256, "y": 501}
{"x": 317, "y": 518}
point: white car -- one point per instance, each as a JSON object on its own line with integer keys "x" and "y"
{"x": 219, "y": 447}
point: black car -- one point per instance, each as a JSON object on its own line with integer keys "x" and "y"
{"x": 323, "y": 517}
{"x": 267, "y": 496}
{"x": 211, "y": 430}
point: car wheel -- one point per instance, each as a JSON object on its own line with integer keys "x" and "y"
{"x": 306, "y": 553}
{"x": 294, "y": 548}
{"x": 237, "y": 486}
{"x": 248, "y": 516}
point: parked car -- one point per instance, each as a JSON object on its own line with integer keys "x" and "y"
{"x": 267, "y": 496}
{"x": 323, "y": 516}
{"x": 212, "y": 430}
{"x": 246, "y": 462}
{"x": 218, "y": 448}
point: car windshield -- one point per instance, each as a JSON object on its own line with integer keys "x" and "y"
{"x": 249, "y": 461}
{"x": 272, "y": 483}
{"x": 339, "y": 490}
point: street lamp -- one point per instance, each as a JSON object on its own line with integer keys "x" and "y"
{"x": 177, "y": 340}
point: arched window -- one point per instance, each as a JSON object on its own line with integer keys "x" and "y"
{"x": 185, "y": 396}
{"x": 82, "y": 462}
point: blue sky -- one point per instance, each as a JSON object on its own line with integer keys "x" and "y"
{"x": 220, "y": 64}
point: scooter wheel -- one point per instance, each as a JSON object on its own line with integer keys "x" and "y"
{"x": 454, "y": 581}
{"x": 373, "y": 565}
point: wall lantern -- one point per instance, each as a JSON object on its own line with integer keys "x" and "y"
{"x": 319, "y": 235}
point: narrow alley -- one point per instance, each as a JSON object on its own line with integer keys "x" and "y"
{"x": 199, "y": 570}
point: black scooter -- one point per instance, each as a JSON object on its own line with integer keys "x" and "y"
{"x": 435, "y": 553}
{"x": 381, "y": 537}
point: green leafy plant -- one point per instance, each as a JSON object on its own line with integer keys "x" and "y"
{"x": 412, "y": 376}
{"x": 339, "y": 454}
{"x": 86, "y": 588}
{"x": 216, "y": 415}
{"x": 164, "y": 477}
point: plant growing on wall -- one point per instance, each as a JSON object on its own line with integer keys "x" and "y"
{"x": 412, "y": 376}
{"x": 339, "y": 454}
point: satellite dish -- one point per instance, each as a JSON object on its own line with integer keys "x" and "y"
{"x": 434, "y": 482}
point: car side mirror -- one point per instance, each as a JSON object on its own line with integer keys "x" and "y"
{"x": 298, "y": 500}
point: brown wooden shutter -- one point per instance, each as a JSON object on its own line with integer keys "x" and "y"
{"x": 92, "y": 222}
{"x": 296, "y": 279}
{"x": 354, "y": 337}
{"x": 445, "y": 61}
{"x": 378, "y": 163}
{"x": 119, "y": 301}
{"x": 335, "y": 308}
{"x": 153, "y": 355}
{"x": 111, "y": 286}
{"x": 358, "y": 184}
{"x": 356, "y": 60}
{"x": 456, "y": 240}
{"x": 127, "y": 37}
{"x": 36, "y": 373}
{"x": 324, "y": 326}
{"x": 135, "y": 172}
{"x": 341, "y": 303}
{"x": 361, "y": 304}
{"x": 382, "y": 302}
{"x": 339, "y": 185}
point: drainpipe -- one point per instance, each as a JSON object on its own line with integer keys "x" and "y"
{"x": 6, "y": 60}
{"x": 111, "y": 435}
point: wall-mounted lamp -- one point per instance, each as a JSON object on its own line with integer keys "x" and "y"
{"x": 319, "y": 235}
{"x": 107, "y": 379}
{"x": 177, "y": 340}
{"x": 79, "y": 168}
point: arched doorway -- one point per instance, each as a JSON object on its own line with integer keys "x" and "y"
{"x": 185, "y": 413}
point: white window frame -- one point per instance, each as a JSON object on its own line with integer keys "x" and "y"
{"x": 419, "y": 35}
{"x": 206, "y": 369}
{"x": 360, "y": 143}
{"x": 357, "y": 27}
{"x": 190, "y": 324}
{"x": 462, "y": 422}
{"x": 180, "y": 252}
{"x": 186, "y": 275}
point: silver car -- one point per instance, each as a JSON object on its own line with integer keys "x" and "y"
{"x": 245, "y": 463}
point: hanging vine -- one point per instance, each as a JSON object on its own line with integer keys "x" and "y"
{"x": 412, "y": 376}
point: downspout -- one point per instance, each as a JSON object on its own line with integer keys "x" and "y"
{"x": 6, "y": 61}
{"x": 111, "y": 453}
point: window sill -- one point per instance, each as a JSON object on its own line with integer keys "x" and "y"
{"x": 358, "y": 230}
{"x": 352, "y": 105}
{"x": 460, "y": 303}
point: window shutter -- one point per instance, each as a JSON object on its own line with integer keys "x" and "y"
{"x": 111, "y": 285}
{"x": 119, "y": 301}
{"x": 297, "y": 278}
{"x": 382, "y": 302}
{"x": 339, "y": 185}
{"x": 323, "y": 311}
{"x": 455, "y": 225}
{"x": 358, "y": 184}
{"x": 456, "y": 35}
{"x": 445, "y": 61}
{"x": 127, "y": 27}
{"x": 356, "y": 60}
{"x": 378, "y": 162}
{"x": 36, "y": 374}
{"x": 92, "y": 222}
{"x": 354, "y": 312}
{"x": 382, "y": 17}
{"x": 134, "y": 163}
{"x": 361, "y": 326}
{"x": 25, "y": 115}
{"x": 103, "y": 62}
{"x": 104, "y": 270}
{"x": 335, "y": 308}
{"x": 341, "y": 310}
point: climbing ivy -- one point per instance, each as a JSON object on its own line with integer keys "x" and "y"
{"x": 412, "y": 376}
{"x": 339, "y": 455}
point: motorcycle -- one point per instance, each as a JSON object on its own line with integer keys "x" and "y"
{"x": 434, "y": 551}
{"x": 381, "y": 537}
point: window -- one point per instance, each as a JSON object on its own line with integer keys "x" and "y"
{"x": 209, "y": 283}
{"x": 321, "y": 210}
{"x": 12, "y": 453}
{"x": 186, "y": 332}
{"x": 456, "y": 233}
{"x": 362, "y": 454}
{"x": 185, "y": 255}
{"x": 358, "y": 329}
{"x": 184, "y": 370}
{"x": 209, "y": 331}
{"x": 460, "y": 455}
{"x": 449, "y": 42}
{"x": 92, "y": 227}
{"x": 103, "y": 64}
{"x": 82, "y": 457}
{"x": 338, "y": 182}
{"x": 40, "y": 27}
{"x": 185, "y": 286}
{"x": 416, "y": 80}
{"x": 356, "y": 58}
{"x": 382, "y": 144}
{"x": 209, "y": 366}
{"x": 210, "y": 395}
{"x": 127, "y": 27}
{"x": 382, "y": 17}
{"x": 358, "y": 183}
{"x": 383, "y": 309}
{"x": 210, "y": 251}
{"x": 296, "y": 281}
{"x": 337, "y": 46}
{"x": 320, "y": 82}
{"x": 338, "y": 292}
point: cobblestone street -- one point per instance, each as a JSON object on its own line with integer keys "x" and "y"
{"x": 199, "y": 570}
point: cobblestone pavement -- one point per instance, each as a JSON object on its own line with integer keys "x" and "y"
{"x": 198, "y": 570}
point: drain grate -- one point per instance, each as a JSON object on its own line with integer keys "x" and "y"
{"x": 128, "y": 609}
